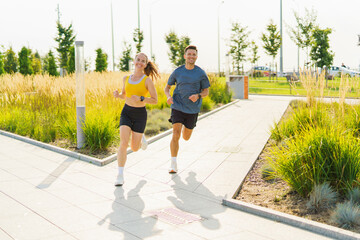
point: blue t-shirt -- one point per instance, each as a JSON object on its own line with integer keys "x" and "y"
{"x": 188, "y": 82}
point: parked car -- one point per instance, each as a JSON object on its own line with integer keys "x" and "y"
{"x": 336, "y": 71}
{"x": 261, "y": 71}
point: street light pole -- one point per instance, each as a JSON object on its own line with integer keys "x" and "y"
{"x": 151, "y": 52}
{"x": 112, "y": 38}
{"x": 218, "y": 22}
{"x": 282, "y": 42}
{"x": 138, "y": 3}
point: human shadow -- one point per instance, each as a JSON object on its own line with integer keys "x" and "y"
{"x": 197, "y": 204}
{"x": 130, "y": 209}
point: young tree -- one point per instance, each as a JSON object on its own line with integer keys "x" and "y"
{"x": 2, "y": 70}
{"x": 238, "y": 45}
{"x": 272, "y": 41}
{"x": 124, "y": 64}
{"x": 301, "y": 35}
{"x": 177, "y": 47}
{"x": 25, "y": 67}
{"x": 100, "y": 61}
{"x": 254, "y": 56}
{"x": 138, "y": 38}
{"x": 320, "y": 51}
{"x": 51, "y": 64}
{"x": 36, "y": 62}
{"x": 65, "y": 39}
{"x": 10, "y": 61}
{"x": 71, "y": 60}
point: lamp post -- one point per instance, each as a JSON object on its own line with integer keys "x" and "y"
{"x": 281, "y": 46}
{"x": 138, "y": 3}
{"x": 112, "y": 38}
{"x": 218, "y": 22}
{"x": 80, "y": 92}
{"x": 151, "y": 51}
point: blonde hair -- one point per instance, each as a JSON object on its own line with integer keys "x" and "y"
{"x": 151, "y": 69}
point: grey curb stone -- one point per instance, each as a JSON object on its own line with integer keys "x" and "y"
{"x": 93, "y": 160}
{"x": 320, "y": 228}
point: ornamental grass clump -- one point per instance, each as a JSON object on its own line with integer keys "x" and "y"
{"x": 321, "y": 197}
{"x": 346, "y": 215}
{"x": 353, "y": 195}
{"x": 320, "y": 155}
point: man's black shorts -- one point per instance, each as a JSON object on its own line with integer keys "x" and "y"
{"x": 134, "y": 117}
{"x": 187, "y": 119}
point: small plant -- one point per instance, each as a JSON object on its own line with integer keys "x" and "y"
{"x": 267, "y": 172}
{"x": 321, "y": 197}
{"x": 353, "y": 195}
{"x": 346, "y": 215}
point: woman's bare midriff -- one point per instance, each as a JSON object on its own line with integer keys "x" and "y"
{"x": 132, "y": 103}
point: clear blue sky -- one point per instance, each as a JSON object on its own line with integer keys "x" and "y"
{"x": 33, "y": 24}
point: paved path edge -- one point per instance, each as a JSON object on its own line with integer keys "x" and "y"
{"x": 316, "y": 227}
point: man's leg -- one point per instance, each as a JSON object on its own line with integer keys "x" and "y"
{"x": 174, "y": 146}
{"x": 186, "y": 133}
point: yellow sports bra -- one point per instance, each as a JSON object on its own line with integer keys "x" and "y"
{"x": 138, "y": 89}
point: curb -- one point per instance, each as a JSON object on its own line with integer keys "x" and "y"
{"x": 312, "y": 226}
{"x": 93, "y": 160}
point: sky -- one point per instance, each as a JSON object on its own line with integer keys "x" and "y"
{"x": 33, "y": 24}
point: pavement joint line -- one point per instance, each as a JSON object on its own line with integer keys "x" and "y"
{"x": 93, "y": 160}
{"x": 299, "y": 222}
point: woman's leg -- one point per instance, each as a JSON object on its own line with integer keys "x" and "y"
{"x": 136, "y": 140}
{"x": 125, "y": 132}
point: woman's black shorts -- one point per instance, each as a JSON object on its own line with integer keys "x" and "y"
{"x": 134, "y": 117}
{"x": 187, "y": 119}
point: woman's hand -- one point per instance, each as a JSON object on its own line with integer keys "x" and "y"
{"x": 116, "y": 94}
{"x": 135, "y": 98}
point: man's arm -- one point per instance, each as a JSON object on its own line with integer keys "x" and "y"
{"x": 167, "y": 93}
{"x": 202, "y": 94}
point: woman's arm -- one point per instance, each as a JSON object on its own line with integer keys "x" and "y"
{"x": 153, "y": 99}
{"x": 121, "y": 95}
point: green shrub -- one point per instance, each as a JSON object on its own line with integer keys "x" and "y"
{"x": 100, "y": 130}
{"x": 218, "y": 92}
{"x": 346, "y": 215}
{"x": 321, "y": 197}
{"x": 207, "y": 104}
{"x": 267, "y": 172}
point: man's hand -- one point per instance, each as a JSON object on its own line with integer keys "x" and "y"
{"x": 194, "y": 97}
{"x": 169, "y": 100}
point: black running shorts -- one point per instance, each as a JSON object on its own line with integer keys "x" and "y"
{"x": 187, "y": 119}
{"x": 134, "y": 117}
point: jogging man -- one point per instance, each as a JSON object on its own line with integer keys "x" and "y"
{"x": 191, "y": 85}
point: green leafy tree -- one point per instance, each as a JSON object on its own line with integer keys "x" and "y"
{"x": 71, "y": 60}
{"x": 302, "y": 33}
{"x": 138, "y": 38}
{"x": 51, "y": 64}
{"x": 124, "y": 64}
{"x": 238, "y": 45}
{"x": 25, "y": 67}
{"x": 254, "y": 55}
{"x": 177, "y": 47}
{"x": 2, "y": 70}
{"x": 36, "y": 62}
{"x": 100, "y": 61}
{"x": 320, "y": 51}
{"x": 65, "y": 39}
{"x": 271, "y": 40}
{"x": 10, "y": 61}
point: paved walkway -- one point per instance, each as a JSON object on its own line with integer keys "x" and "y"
{"x": 46, "y": 195}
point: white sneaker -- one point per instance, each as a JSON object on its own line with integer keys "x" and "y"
{"x": 173, "y": 167}
{"x": 144, "y": 143}
{"x": 119, "y": 180}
